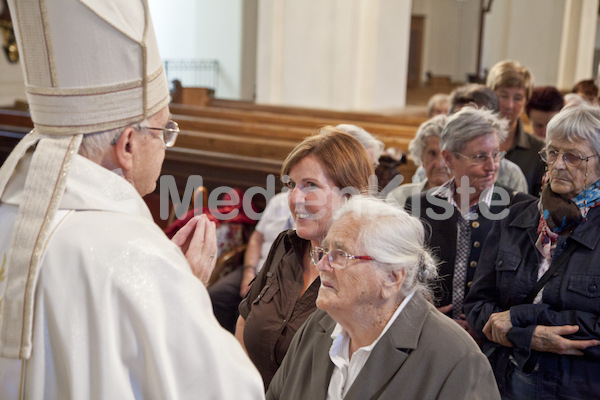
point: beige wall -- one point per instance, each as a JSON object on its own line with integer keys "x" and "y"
{"x": 554, "y": 38}
{"x": 352, "y": 54}
{"x": 11, "y": 82}
{"x": 450, "y": 43}
{"x": 338, "y": 54}
{"x": 224, "y": 30}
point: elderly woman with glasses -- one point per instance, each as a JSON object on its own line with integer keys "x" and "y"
{"x": 375, "y": 334}
{"x": 536, "y": 294}
{"x": 460, "y": 213}
{"x": 425, "y": 151}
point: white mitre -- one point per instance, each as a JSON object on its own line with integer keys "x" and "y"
{"x": 89, "y": 66}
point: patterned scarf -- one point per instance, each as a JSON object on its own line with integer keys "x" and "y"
{"x": 560, "y": 216}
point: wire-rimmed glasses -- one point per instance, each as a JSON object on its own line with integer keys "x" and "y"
{"x": 483, "y": 158}
{"x": 169, "y": 133}
{"x": 575, "y": 160}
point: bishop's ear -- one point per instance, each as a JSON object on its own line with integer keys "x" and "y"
{"x": 124, "y": 148}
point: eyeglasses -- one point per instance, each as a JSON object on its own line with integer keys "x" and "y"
{"x": 337, "y": 258}
{"x": 575, "y": 160}
{"x": 169, "y": 133}
{"x": 483, "y": 158}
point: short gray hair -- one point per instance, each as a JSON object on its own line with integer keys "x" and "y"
{"x": 476, "y": 93}
{"x": 470, "y": 123}
{"x": 576, "y": 124}
{"x": 433, "y": 127}
{"x": 365, "y": 138}
{"x": 573, "y": 100}
{"x": 436, "y": 100}
{"x": 93, "y": 145}
{"x": 394, "y": 238}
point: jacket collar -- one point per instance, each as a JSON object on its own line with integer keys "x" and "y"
{"x": 585, "y": 233}
{"x": 521, "y": 139}
{"x": 386, "y": 359}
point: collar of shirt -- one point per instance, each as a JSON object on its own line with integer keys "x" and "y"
{"x": 346, "y": 369}
{"x": 446, "y": 191}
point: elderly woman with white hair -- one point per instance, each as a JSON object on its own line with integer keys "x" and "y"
{"x": 460, "y": 213}
{"x": 425, "y": 151}
{"x": 375, "y": 334}
{"x": 535, "y": 296}
{"x": 373, "y": 145}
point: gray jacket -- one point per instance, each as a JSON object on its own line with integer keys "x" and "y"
{"x": 424, "y": 355}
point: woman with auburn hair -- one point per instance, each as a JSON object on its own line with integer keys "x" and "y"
{"x": 320, "y": 172}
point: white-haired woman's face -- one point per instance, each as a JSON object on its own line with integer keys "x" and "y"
{"x": 567, "y": 179}
{"x": 313, "y": 198}
{"x": 346, "y": 293}
{"x": 433, "y": 162}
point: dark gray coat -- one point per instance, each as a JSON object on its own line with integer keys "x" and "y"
{"x": 508, "y": 270}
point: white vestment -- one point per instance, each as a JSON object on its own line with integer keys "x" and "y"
{"x": 118, "y": 313}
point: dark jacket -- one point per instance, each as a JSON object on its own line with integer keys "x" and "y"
{"x": 423, "y": 355}
{"x": 442, "y": 235}
{"x": 524, "y": 153}
{"x": 507, "y": 272}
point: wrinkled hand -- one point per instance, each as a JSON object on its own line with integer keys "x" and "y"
{"x": 550, "y": 339}
{"x": 497, "y": 327}
{"x": 249, "y": 274}
{"x": 198, "y": 241}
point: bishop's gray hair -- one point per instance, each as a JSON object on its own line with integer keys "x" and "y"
{"x": 93, "y": 145}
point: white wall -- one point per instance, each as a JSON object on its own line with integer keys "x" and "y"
{"x": 337, "y": 54}
{"x": 12, "y": 86}
{"x": 208, "y": 29}
{"x": 576, "y": 60}
{"x": 528, "y": 31}
{"x": 532, "y": 32}
{"x": 11, "y": 78}
{"x": 450, "y": 42}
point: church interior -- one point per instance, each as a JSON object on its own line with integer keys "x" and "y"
{"x": 251, "y": 78}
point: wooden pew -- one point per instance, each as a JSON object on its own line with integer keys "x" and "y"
{"x": 305, "y": 121}
{"x": 201, "y": 96}
{"x": 243, "y": 145}
{"x": 399, "y": 138}
{"x": 315, "y": 112}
